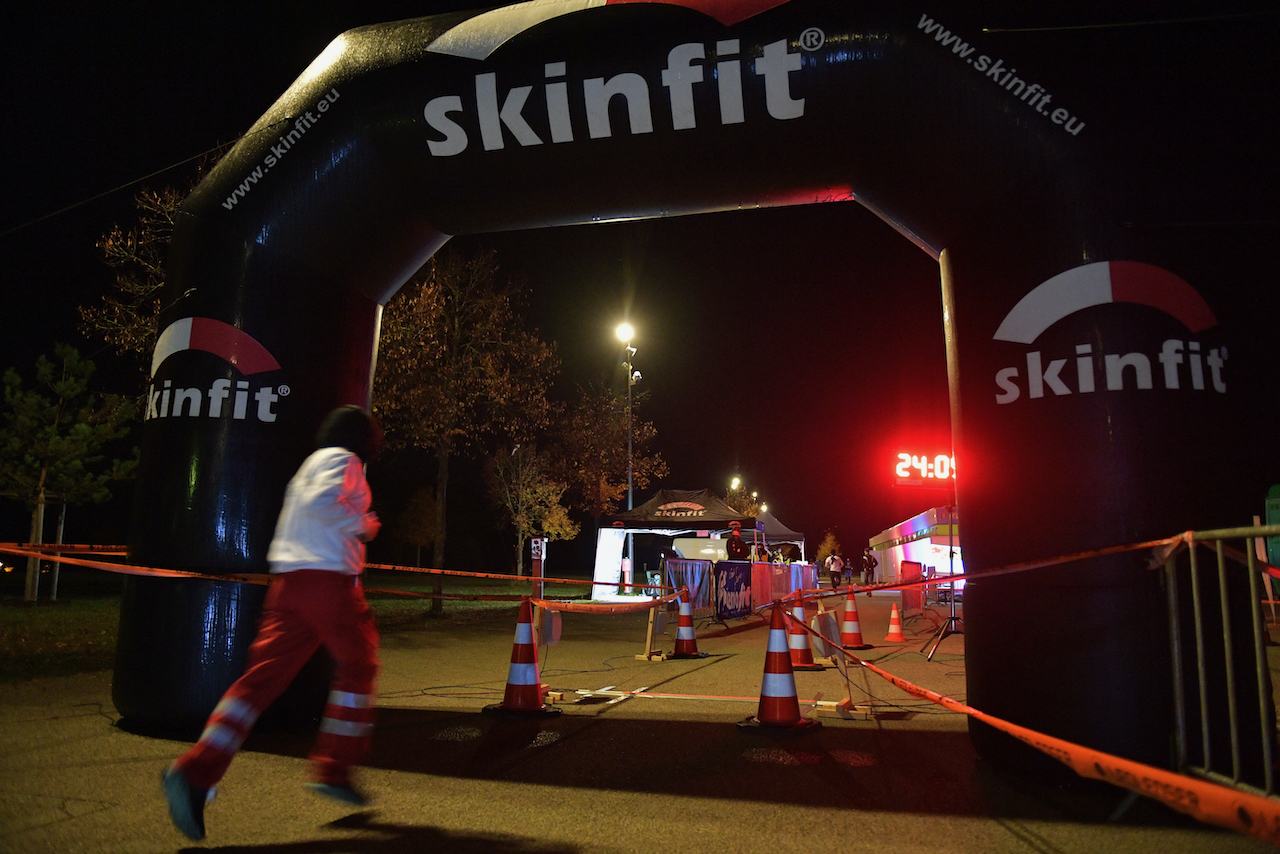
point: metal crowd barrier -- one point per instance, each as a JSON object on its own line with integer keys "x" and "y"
{"x": 1229, "y": 654}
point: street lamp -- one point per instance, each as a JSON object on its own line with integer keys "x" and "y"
{"x": 625, "y": 332}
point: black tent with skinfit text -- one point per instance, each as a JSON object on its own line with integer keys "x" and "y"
{"x": 685, "y": 510}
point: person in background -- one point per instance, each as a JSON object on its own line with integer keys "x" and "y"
{"x": 869, "y": 564}
{"x": 314, "y": 599}
{"x": 835, "y": 567}
{"x": 736, "y": 547}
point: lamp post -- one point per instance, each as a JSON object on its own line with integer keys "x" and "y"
{"x": 625, "y": 332}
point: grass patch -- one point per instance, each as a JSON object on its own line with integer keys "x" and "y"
{"x": 396, "y": 612}
{"x": 57, "y": 638}
{"x": 77, "y": 634}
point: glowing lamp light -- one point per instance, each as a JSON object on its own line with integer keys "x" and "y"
{"x": 737, "y": 481}
{"x": 625, "y": 332}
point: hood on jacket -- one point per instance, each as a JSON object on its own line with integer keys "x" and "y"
{"x": 352, "y": 428}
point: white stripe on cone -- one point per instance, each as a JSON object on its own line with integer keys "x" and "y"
{"x": 778, "y": 641}
{"x": 522, "y": 674}
{"x": 778, "y": 685}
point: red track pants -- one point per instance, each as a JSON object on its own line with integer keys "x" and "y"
{"x": 303, "y": 610}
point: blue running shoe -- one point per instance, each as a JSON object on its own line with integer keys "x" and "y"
{"x": 186, "y": 802}
{"x": 347, "y": 793}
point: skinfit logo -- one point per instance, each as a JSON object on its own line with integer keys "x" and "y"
{"x": 681, "y": 509}
{"x": 1097, "y": 284}
{"x": 499, "y": 112}
{"x": 219, "y": 400}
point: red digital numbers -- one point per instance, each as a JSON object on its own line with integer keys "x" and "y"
{"x": 919, "y": 470}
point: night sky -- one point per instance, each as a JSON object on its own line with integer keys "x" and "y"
{"x": 797, "y": 348}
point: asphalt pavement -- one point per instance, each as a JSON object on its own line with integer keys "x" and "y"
{"x": 609, "y": 773}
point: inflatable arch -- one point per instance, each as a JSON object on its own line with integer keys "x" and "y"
{"x": 1092, "y": 353}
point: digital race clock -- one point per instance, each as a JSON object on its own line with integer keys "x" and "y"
{"x": 924, "y": 470}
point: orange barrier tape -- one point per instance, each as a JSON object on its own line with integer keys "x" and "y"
{"x": 252, "y": 578}
{"x": 637, "y": 584}
{"x": 1242, "y": 558}
{"x": 1184, "y": 538}
{"x": 1253, "y": 815}
{"x": 936, "y": 581}
{"x": 264, "y": 578}
{"x": 128, "y": 569}
{"x": 64, "y": 548}
{"x": 597, "y": 608}
{"x": 424, "y": 570}
{"x": 1102, "y": 552}
{"x": 823, "y": 593}
{"x": 1239, "y": 811}
{"x": 57, "y": 554}
{"x": 413, "y": 594}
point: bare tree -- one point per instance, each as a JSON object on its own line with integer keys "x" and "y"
{"x": 416, "y": 524}
{"x": 593, "y": 438}
{"x": 829, "y": 546}
{"x": 744, "y": 502}
{"x": 127, "y": 316}
{"x": 456, "y": 365}
{"x": 520, "y": 482}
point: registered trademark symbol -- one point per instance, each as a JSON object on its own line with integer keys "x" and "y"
{"x": 812, "y": 38}
{"x": 283, "y": 391}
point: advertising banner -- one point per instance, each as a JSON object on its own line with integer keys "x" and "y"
{"x": 733, "y": 589}
{"x": 696, "y": 575}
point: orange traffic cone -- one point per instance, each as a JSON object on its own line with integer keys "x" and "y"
{"x": 850, "y": 630}
{"x": 523, "y": 696}
{"x": 798, "y": 641}
{"x": 895, "y": 626}
{"x": 686, "y": 643}
{"x": 779, "y": 705}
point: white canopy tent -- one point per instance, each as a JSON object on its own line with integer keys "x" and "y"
{"x": 669, "y": 513}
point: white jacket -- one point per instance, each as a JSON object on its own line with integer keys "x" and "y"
{"x": 325, "y": 521}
